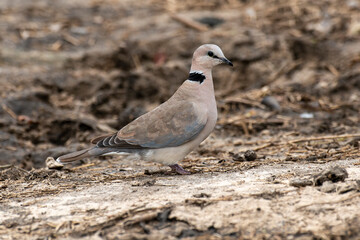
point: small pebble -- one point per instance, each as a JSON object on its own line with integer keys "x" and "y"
{"x": 52, "y": 164}
{"x": 238, "y": 158}
{"x": 307, "y": 115}
{"x": 301, "y": 182}
{"x": 334, "y": 174}
{"x": 328, "y": 187}
{"x": 271, "y": 103}
{"x": 347, "y": 187}
{"x": 250, "y": 155}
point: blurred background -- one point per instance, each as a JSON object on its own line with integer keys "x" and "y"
{"x": 73, "y": 69}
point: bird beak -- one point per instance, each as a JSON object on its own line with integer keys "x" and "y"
{"x": 226, "y": 61}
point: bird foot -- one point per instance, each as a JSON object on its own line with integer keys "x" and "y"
{"x": 177, "y": 168}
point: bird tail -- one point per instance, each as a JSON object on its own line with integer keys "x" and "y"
{"x": 74, "y": 156}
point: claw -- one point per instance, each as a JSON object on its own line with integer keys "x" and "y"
{"x": 177, "y": 168}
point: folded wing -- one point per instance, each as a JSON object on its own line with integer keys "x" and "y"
{"x": 168, "y": 125}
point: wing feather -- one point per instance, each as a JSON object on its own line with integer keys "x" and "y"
{"x": 168, "y": 125}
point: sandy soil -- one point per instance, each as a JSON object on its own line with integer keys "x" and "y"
{"x": 257, "y": 203}
{"x": 282, "y": 163}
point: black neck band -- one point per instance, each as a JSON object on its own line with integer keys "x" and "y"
{"x": 196, "y": 77}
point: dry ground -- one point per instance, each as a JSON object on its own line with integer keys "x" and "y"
{"x": 72, "y": 70}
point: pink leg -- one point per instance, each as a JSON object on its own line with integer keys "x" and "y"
{"x": 177, "y": 168}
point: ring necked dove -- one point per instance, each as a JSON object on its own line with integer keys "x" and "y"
{"x": 172, "y": 130}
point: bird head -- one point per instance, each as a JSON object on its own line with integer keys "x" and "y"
{"x": 209, "y": 55}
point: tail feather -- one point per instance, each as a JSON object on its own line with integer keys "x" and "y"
{"x": 71, "y": 157}
{"x": 89, "y": 152}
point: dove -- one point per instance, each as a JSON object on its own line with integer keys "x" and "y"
{"x": 173, "y": 129}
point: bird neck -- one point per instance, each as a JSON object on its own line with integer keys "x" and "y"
{"x": 202, "y": 78}
{"x": 200, "y": 73}
{"x": 200, "y": 91}
{"x": 196, "y": 76}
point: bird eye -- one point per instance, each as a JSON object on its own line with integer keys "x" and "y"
{"x": 210, "y": 53}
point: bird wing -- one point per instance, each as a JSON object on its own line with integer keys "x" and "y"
{"x": 101, "y": 137}
{"x": 169, "y": 125}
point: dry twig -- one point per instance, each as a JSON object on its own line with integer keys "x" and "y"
{"x": 323, "y": 138}
{"x": 190, "y": 23}
{"x": 9, "y": 111}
